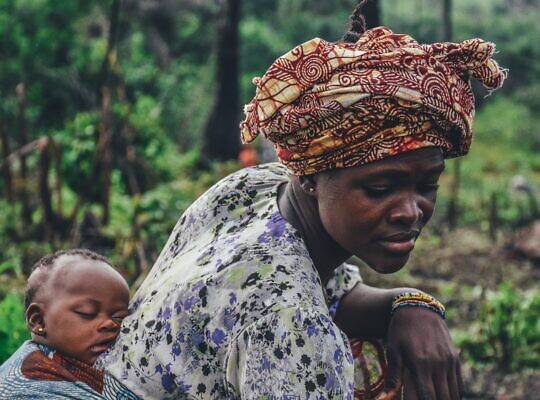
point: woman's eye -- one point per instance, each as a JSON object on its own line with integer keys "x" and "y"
{"x": 377, "y": 191}
{"x": 429, "y": 187}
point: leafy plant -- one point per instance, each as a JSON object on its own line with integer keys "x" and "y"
{"x": 13, "y": 329}
{"x": 507, "y": 331}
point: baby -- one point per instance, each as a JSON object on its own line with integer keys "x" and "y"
{"x": 75, "y": 302}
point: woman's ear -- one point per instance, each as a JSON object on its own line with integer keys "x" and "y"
{"x": 308, "y": 184}
{"x": 35, "y": 319}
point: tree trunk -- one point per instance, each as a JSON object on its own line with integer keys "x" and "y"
{"x": 22, "y": 135}
{"x": 104, "y": 148}
{"x": 453, "y": 204}
{"x": 45, "y": 149}
{"x": 446, "y": 25}
{"x": 493, "y": 217}
{"x": 372, "y": 13}
{"x": 221, "y": 138}
{"x": 110, "y": 58}
{"x": 58, "y": 184}
{"x": 8, "y": 180}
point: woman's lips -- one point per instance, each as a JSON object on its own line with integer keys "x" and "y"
{"x": 398, "y": 247}
{"x": 399, "y": 243}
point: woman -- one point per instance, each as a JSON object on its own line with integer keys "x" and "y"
{"x": 251, "y": 298}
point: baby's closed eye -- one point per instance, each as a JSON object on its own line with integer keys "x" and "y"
{"x": 85, "y": 314}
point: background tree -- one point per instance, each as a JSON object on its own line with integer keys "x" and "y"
{"x": 372, "y": 13}
{"x": 171, "y": 68}
{"x": 221, "y": 135}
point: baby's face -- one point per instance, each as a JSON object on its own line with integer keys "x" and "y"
{"x": 84, "y": 304}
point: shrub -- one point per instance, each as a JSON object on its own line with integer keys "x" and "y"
{"x": 13, "y": 329}
{"x": 507, "y": 331}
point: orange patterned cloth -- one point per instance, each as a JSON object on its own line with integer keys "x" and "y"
{"x": 335, "y": 105}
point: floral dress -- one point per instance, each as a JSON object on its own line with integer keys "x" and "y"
{"x": 234, "y": 307}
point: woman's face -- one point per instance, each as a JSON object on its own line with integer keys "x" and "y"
{"x": 376, "y": 211}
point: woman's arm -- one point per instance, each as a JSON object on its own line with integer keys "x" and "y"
{"x": 364, "y": 312}
{"x": 421, "y": 354}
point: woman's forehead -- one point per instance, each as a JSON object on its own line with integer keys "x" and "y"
{"x": 421, "y": 161}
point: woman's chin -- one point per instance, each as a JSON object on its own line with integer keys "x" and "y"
{"x": 389, "y": 266}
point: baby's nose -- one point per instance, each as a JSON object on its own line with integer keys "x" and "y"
{"x": 109, "y": 324}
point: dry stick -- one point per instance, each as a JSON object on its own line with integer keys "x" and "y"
{"x": 103, "y": 145}
{"x": 453, "y": 206}
{"x": 104, "y": 132}
{"x": 22, "y": 135}
{"x": 8, "y": 180}
{"x": 133, "y": 184}
{"x": 43, "y": 144}
{"x": 111, "y": 61}
{"x": 58, "y": 183}
{"x": 104, "y": 148}
{"x": 23, "y": 151}
{"x": 75, "y": 233}
{"x": 127, "y": 132}
{"x": 110, "y": 53}
{"x": 44, "y": 165}
{"x": 144, "y": 266}
{"x": 493, "y": 217}
{"x": 110, "y": 64}
{"x": 365, "y": 373}
{"x": 130, "y": 156}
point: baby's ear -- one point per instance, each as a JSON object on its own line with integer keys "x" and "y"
{"x": 34, "y": 319}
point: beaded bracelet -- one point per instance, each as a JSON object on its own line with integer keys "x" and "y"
{"x": 418, "y": 299}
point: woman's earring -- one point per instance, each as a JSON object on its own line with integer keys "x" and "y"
{"x": 311, "y": 189}
{"x": 41, "y": 331}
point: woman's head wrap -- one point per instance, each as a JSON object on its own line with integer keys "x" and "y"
{"x": 335, "y": 105}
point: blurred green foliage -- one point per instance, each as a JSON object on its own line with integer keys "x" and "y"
{"x": 162, "y": 87}
{"x": 507, "y": 331}
{"x": 13, "y": 329}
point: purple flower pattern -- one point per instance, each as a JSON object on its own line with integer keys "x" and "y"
{"x": 234, "y": 308}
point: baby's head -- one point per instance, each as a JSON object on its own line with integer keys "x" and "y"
{"x": 75, "y": 302}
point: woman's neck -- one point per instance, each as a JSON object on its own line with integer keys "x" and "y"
{"x": 301, "y": 211}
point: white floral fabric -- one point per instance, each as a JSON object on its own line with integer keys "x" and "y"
{"x": 234, "y": 307}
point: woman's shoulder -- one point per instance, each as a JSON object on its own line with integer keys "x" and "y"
{"x": 231, "y": 203}
{"x": 269, "y": 171}
{"x": 258, "y": 179}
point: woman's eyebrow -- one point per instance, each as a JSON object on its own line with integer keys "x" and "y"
{"x": 387, "y": 173}
{"x": 391, "y": 173}
{"x": 436, "y": 169}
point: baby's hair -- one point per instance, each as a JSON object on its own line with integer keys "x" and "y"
{"x": 47, "y": 263}
{"x": 357, "y": 23}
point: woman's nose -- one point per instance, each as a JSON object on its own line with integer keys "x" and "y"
{"x": 407, "y": 211}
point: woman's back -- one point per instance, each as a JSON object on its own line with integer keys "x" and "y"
{"x": 233, "y": 276}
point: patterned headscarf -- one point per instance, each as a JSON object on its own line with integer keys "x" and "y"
{"x": 335, "y": 105}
